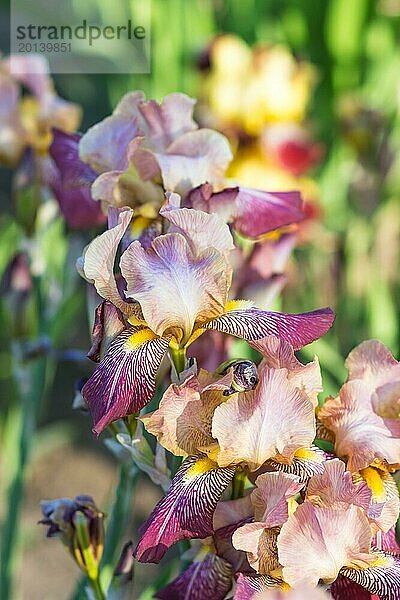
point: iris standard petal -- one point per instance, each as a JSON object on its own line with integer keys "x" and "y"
{"x": 98, "y": 262}
{"x": 187, "y": 509}
{"x": 274, "y": 419}
{"x": 108, "y": 323}
{"x": 125, "y": 379}
{"x": 203, "y": 580}
{"x": 253, "y": 324}
{"x": 174, "y": 287}
{"x": 270, "y": 498}
{"x": 315, "y": 542}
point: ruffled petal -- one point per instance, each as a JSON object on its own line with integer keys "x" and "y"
{"x": 301, "y": 467}
{"x": 274, "y": 419}
{"x": 210, "y": 578}
{"x": 187, "y": 509}
{"x": 174, "y": 287}
{"x": 370, "y": 359}
{"x": 278, "y": 354}
{"x": 315, "y": 542}
{"x": 259, "y": 543}
{"x": 302, "y": 592}
{"x": 124, "y": 188}
{"x": 194, "y": 158}
{"x": 182, "y": 422}
{"x": 382, "y": 579}
{"x": 335, "y": 485}
{"x": 98, "y": 262}
{"x": 360, "y": 435}
{"x": 200, "y": 229}
{"x": 253, "y": 324}
{"x": 105, "y": 145}
{"x": 125, "y": 379}
{"x": 72, "y": 183}
{"x": 108, "y": 323}
{"x": 249, "y": 587}
{"x": 270, "y": 497}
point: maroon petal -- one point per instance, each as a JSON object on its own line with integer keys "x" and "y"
{"x": 125, "y": 379}
{"x": 383, "y": 581}
{"x": 253, "y": 213}
{"x": 210, "y": 578}
{"x": 344, "y": 589}
{"x": 187, "y": 509}
{"x": 71, "y": 183}
{"x": 247, "y": 586}
{"x": 253, "y": 324}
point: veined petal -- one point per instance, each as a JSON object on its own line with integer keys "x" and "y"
{"x": 253, "y": 213}
{"x": 372, "y": 360}
{"x": 200, "y": 229}
{"x": 187, "y": 509}
{"x": 345, "y": 589}
{"x": 194, "y": 158}
{"x": 382, "y": 579}
{"x": 98, "y": 262}
{"x": 303, "y": 592}
{"x": 315, "y": 542}
{"x": 210, "y": 578}
{"x": 182, "y": 422}
{"x": 248, "y": 587}
{"x": 259, "y": 543}
{"x": 335, "y": 485}
{"x": 270, "y": 497}
{"x": 108, "y": 323}
{"x": 303, "y": 467}
{"x": 360, "y": 434}
{"x": 105, "y": 145}
{"x": 253, "y": 324}
{"x": 125, "y": 379}
{"x": 174, "y": 287}
{"x": 275, "y": 418}
{"x": 278, "y": 354}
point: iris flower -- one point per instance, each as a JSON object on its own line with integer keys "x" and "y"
{"x": 176, "y": 287}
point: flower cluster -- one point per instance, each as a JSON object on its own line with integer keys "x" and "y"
{"x": 283, "y": 493}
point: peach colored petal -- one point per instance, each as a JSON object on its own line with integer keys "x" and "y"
{"x": 302, "y": 592}
{"x": 316, "y": 542}
{"x": 254, "y": 426}
{"x": 259, "y": 543}
{"x": 270, "y": 497}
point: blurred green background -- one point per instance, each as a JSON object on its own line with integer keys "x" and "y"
{"x": 351, "y": 265}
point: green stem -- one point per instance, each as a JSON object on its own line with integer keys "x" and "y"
{"x": 96, "y": 589}
{"x": 179, "y": 359}
{"x": 238, "y": 485}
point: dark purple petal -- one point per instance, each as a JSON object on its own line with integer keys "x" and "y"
{"x": 253, "y": 213}
{"x": 71, "y": 182}
{"x": 205, "y": 580}
{"x": 248, "y": 586}
{"x": 224, "y": 547}
{"x": 252, "y": 324}
{"x": 108, "y": 323}
{"x": 125, "y": 379}
{"x": 383, "y": 580}
{"x": 344, "y": 589}
{"x": 187, "y": 509}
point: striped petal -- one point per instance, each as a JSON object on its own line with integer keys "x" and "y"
{"x": 194, "y": 158}
{"x": 361, "y": 435}
{"x": 174, "y": 286}
{"x": 210, "y": 578}
{"x": 253, "y": 324}
{"x": 302, "y": 467}
{"x": 108, "y": 323}
{"x": 335, "y": 485}
{"x": 259, "y": 543}
{"x": 278, "y": 354}
{"x": 315, "y": 542}
{"x": 303, "y": 592}
{"x": 187, "y": 509}
{"x": 98, "y": 261}
{"x": 125, "y": 379}
{"x": 182, "y": 422}
{"x": 382, "y": 579}
{"x": 249, "y": 587}
{"x": 275, "y": 419}
{"x": 345, "y": 589}
{"x": 253, "y": 213}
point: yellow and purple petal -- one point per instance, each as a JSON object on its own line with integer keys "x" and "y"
{"x": 187, "y": 509}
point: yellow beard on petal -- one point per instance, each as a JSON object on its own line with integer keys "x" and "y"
{"x": 201, "y": 466}
{"x": 307, "y": 454}
{"x": 373, "y": 479}
{"x": 238, "y": 304}
{"x": 139, "y": 338}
